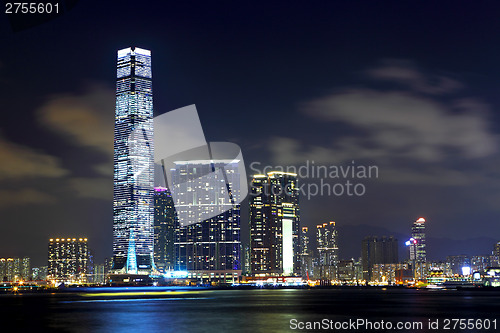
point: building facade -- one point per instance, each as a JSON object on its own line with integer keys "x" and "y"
{"x": 306, "y": 254}
{"x": 165, "y": 219}
{"x": 15, "y": 269}
{"x": 133, "y": 233}
{"x": 275, "y": 225}
{"x": 377, "y": 250}
{"x": 327, "y": 251}
{"x": 68, "y": 260}
{"x": 418, "y": 252}
{"x": 212, "y": 244}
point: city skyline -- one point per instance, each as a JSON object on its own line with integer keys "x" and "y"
{"x": 330, "y": 83}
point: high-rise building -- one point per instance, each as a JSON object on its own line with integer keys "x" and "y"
{"x": 275, "y": 225}
{"x": 133, "y": 234}
{"x": 496, "y": 250}
{"x": 417, "y": 246}
{"x": 327, "y": 249}
{"x": 15, "y": 269}
{"x": 212, "y": 244}
{"x": 377, "y": 250}
{"x": 165, "y": 219}
{"x": 306, "y": 257}
{"x": 482, "y": 263}
{"x": 68, "y": 259}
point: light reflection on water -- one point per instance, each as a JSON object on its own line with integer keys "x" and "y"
{"x": 236, "y": 310}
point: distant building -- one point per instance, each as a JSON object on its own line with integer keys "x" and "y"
{"x": 39, "y": 273}
{"x": 377, "y": 250}
{"x": 418, "y": 247}
{"x": 15, "y": 269}
{"x": 306, "y": 255}
{"x": 496, "y": 249}
{"x": 275, "y": 225}
{"x": 482, "y": 263}
{"x": 346, "y": 270}
{"x": 457, "y": 262}
{"x": 165, "y": 219}
{"x": 442, "y": 266}
{"x": 26, "y": 268}
{"x": 327, "y": 250}
{"x": 68, "y": 260}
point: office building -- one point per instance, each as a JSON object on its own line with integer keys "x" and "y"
{"x": 275, "y": 225}
{"x": 417, "y": 247}
{"x": 377, "y": 250}
{"x": 165, "y": 219}
{"x": 327, "y": 250}
{"x": 68, "y": 260}
{"x": 496, "y": 249}
{"x": 213, "y": 245}
{"x": 133, "y": 235}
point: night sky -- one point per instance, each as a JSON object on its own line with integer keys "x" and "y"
{"x": 411, "y": 87}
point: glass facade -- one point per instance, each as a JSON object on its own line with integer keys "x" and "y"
{"x": 133, "y": 233}
{"x": 275, "y": 225}
{"x": 328, "y": 258}
{"x": 418, "y": 250}
{"x": 214, "y": 243}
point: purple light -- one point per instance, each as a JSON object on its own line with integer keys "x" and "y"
{"x": 160, "y": 189}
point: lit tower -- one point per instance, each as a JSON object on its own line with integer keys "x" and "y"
{"x": 275, "y": 225}
{"x": 328, "y": 259}
{"x": 417, "y": 246}
{"x": 133, "y": 164}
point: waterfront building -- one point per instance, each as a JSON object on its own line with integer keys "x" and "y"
{"x": 418, "y": 247}
{"x": 377, "y": 250}
{"x": 306, "y": 254}
{"x": 457, "y": 262}
{"x": 68, "y": 260}
{"x": 15, "y": 269}
{"x": 133, "y": 234}
{"x": 213, "y": 245}
{"x": 327, "y": 251}
{"x": 482, "y": 263}
{"x": 165, "y": 219}
{"x": 275, "y": 225}
{"x": 346, "y": 271}
{"x": 39, "y": 273}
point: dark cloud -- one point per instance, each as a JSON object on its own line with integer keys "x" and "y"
{"x": 405, "y": 72}
{"x": 87, "y": 118}
{"x": 19, "y": 162}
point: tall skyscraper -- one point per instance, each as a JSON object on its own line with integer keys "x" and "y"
{"x": 165, "y": 219}
{"x": 68, "y": 259}
{"x": 213, "y": 244}
{"x": 133, "y": 164}
{"x": 377, "y": 250}
{"x": 496, "y": 250}
{"x": 327, "y": 249}
{"x": 275, "y": 225}
{"x": 417, "y": 248}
